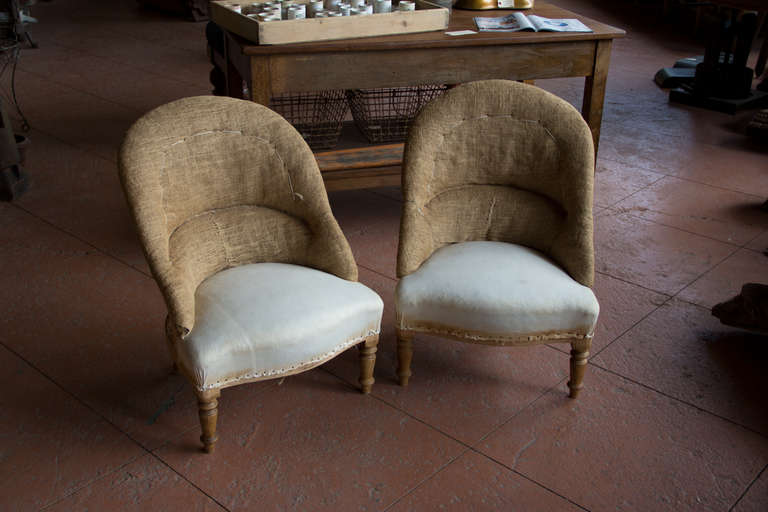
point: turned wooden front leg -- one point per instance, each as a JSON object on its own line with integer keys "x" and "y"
{"x": 404, "y": 356}
{"x": 367, "y": 363}
{"x": 579, "y": 355}
{"x": 208, "y": 410}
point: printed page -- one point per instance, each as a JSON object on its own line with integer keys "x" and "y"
{"x": 560, "y": 25}
{"x": 515, "y": 22}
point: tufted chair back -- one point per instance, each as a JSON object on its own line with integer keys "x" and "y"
{"x": 215, "y": 183}
{"x": 502, "y": 161}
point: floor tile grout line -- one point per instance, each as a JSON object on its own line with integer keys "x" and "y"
{"x": 613, "y": 205}
{"x": 147, "y": 70}
{"x": 617, "y": 338}
{"x": 533, "y": 481}
{"x": 128, "y": 34}
{"x": 531, "y": 404}
{"x": 62, "y": 388}
{"x": 85, "y": 404}
{"x": 677, "y": 399}
{"x": 759, "y": 474}
{"x": 157, "y": 41}
{"x": 705, "y": 273}
{"x": 386, "y": 196}
{"x": 90, "y": 483}
{"x": 402, "y": 411}
{"x": 468, "y": 447}
{"x": 436, "y": 428}
{"x": 81, "y": 240}
{"x": 195, "y": 486}
{"x": 627, "y": 281}
{"x": 87, "y": 93}
{"x": 473, "y": 447}
{"x": 628, "y": 212}
{"x": 465, "y": 446}
{"x": 73, "y": 146}
{"x": 377, "y": 272}
{"x": 103, "y": 418}
{"x": 691, "y": 303}
{"x": 762, "y": 251}
{"x": 601, "y": 159}
{"x": 149, "y": 453}
{"x": 680, "y": 229}
{"x": 87, "y": 407}
{"x": 685, "y": 178}
{"x": 676, "y": 293}
{"x": 425, "y": 480}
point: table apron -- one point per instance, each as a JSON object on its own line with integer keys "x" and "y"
{"x": 394, "y": 68}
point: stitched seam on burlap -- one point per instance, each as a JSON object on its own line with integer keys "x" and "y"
{"x": 165, "y": 171}
{"x": 222, "y": 241}
{"x": 454, "y": 126}
{"x": 243, "y": 205}
{"x": 269, "y": 143}
{"x": 207, "y": 132}
{"x": 338, "y": 348}
{"x": 490, "y": 216}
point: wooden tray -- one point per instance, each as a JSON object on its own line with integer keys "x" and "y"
{"x": 325, "y": 29}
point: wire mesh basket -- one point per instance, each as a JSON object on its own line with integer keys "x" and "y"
{"x": 317, "y": 116}
{"x": 384, "y": 115}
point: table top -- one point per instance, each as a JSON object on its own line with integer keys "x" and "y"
{"x": 460, "y": 20}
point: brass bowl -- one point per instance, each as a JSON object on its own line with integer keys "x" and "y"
{"x": 482, "y": 5}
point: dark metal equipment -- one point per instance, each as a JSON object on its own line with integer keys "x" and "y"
{"x": 723, "y": 81}
{"x": 13, "y": 178}
{"x": 13, "y": 34}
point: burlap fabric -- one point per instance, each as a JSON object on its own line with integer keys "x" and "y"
{"x": 502, "y": 161}
{"x": 216, "y": 182}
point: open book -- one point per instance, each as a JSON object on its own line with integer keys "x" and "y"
{"x": 517, "y": 22}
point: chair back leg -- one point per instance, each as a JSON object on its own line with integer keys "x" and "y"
{"x": 404, "y": 356}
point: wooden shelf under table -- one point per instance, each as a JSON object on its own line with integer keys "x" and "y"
{"x": 365, "y": 167}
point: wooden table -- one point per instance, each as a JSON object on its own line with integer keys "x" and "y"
{"x": 414, "y": 59}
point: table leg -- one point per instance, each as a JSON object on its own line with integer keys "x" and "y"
{"x": 233, "y": 80}
{"x": 763, "y": 56}
{"x": 594, "y": 90}
{"x": 261, "y": 77}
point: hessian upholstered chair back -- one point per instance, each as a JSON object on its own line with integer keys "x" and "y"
{"x": 497, "y": 175}
{"x": 215, "y": 183}
{"x": 233, "y": 216}
{"x": 500, "y": 161}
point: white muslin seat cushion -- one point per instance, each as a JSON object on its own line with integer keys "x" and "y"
{"x": 495, "y": 292}
{"x": 267, "y": 319}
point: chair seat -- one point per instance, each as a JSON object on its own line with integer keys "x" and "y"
{"x": 495, "y": 292}
{"x": 265, "y": 320}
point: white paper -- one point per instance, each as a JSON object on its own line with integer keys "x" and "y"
{"x": 514, "y": 22}
{"x": 518, "y": 21}
{"x": 460, "y": 33}
{"x": 557, "y": 25}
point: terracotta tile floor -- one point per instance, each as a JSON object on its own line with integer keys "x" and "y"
{"x": 674, "y": 415}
